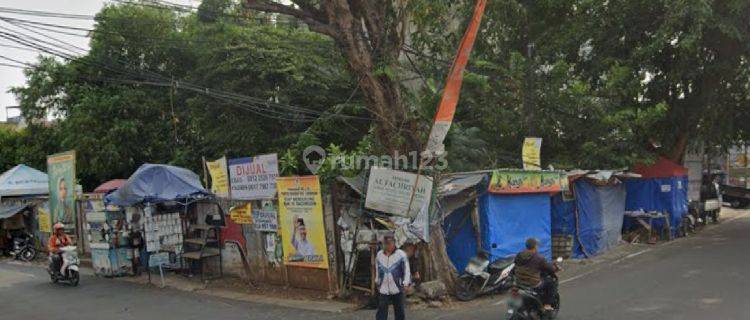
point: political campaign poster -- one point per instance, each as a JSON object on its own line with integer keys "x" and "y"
{"x": 391, "y": 191}
{"x": 253, "y": 178}
{"x": 61, "y": 169}
{"x": 301, "y": 222}
{"x": 531, "y": 153}
{"x": 217, "y": 169}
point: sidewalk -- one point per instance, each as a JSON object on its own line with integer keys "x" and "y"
{"x": 237, "y": 289}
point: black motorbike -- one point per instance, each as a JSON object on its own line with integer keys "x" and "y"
{"x": 23, "y": 247}
{"x": 482, "y": 277}
{"x": 526, "y": 303}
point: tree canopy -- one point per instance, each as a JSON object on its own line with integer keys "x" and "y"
{"x": 604, "y": 83}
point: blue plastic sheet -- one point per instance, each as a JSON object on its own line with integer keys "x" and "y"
{"x": 460, "y": 241}
{"x": 600, "y": 211}
{"x": 563, "y": 221}
{"x": 658, "y": 194}
{"x": 508, "y": 220}
{"x": 154, "y": 183}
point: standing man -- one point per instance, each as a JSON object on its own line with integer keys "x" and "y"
{"x": 393, "y": 276}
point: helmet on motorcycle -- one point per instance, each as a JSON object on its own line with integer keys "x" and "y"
{"x": 57, "y": 226}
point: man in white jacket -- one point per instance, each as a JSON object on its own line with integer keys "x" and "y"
{"x": 392, "y": 278}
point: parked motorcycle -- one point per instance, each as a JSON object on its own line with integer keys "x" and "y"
{"x": 23, "y": 247}
{"x": 526, "y": 303}
{"x": 69, "y": 270}
{"x": 482, "y": 277}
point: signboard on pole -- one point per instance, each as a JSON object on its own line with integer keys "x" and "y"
{"x": 265, "y": 221}
{"x": 531, "y": 153}
{"x": 527, "y": 181}
{"x": 253, "y": 178}
{"x": 391, "y": 191}
{"x": 301, "y": 218}
{"x": 61, "y": 169}
{"x": 241, "y": 214}
{"x": 217, "y": 169}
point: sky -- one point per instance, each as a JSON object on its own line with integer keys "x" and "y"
{"x": 9, "y": 76}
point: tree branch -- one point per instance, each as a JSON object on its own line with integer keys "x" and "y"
{"x": 313, "y": 18}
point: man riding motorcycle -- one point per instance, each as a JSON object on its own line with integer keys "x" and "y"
{"x": 57, "y": 240}
{"x": 533, "y": 271}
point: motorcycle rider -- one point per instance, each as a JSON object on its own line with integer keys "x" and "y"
{"x": 533, "y": 271}
{"x": 57, "y": 240}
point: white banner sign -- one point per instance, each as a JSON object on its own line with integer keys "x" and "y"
{"x": 390, "y": 191}
{"x": 254, "y": 178}
{"x": 265, "y": 220}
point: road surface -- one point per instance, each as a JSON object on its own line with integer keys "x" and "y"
{"x": 701, "y": 277}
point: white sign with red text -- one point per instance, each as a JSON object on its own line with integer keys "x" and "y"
{"x": 253, "y": 178}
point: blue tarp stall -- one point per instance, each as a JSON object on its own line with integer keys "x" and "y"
{"x": 507, "y": 220}
{"x": 600, "y": 211}
{"x": 155, "y": 183}
{"x": 592, "y": 214}
{"x": 663, "y": 188}
{"x": 460, "y": 238}
{"x": 23, "y": 180}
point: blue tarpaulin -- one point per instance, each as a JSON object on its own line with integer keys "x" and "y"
{"x": 23, "y": 180}
{"x": 154, "y": 183}
{"x": 460, "y": 240}
{"x": 600, "y": 211}
{"x": 658, "y": 194}
{"x": 508, "y": 220}
{"x": 563, "y": 221}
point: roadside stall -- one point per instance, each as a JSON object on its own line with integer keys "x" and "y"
{"x": 375, "y": 203}
{"x": 107, "y": 233}
{"x": 23, "y": 200}
{"x": 658, "y": 199}
{"x": 167, "y": 230}
{"x": 499, "y": 212}
{"x": 591, "y": 213}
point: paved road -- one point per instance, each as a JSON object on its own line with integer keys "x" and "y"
{"x": 702, "y": 277}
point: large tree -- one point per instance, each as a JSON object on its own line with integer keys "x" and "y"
{"x": 370, "y": 35}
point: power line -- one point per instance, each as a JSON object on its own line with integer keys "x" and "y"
{"x": 256, "y": 105}
{"x": 13, "y": 65}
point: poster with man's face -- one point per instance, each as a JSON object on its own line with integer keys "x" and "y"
{"x": 61, "y": 169}
{"x": 301, "y": 222}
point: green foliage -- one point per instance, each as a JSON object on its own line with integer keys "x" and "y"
{"x": 116, "y": 122}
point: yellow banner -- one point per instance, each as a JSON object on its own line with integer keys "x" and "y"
{"x": 241, "y": 214}
{"x": 44, "y": 220}
{"x": 301, "y": 222}
{"x": 531, "y": 153}
{"x": 219, "y": 181}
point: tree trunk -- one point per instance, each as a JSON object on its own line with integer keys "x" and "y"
{"x": 369, "y": 35}
{"x": 441, "y": 264}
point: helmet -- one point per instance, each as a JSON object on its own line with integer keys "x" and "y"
{"x": 57, "y": 226}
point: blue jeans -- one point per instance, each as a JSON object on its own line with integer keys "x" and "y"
{"x": 384, "y": 300}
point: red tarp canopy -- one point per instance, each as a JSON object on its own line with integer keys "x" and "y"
{"x": 109, "y": 185}
{"x": 660, "y": 169}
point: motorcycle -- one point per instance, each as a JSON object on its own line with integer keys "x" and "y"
{"x": 526, "y": 303}
{"x": 69, "y": 270}
{"x": 23, "y": 247}
{"x": 482, "y": 277}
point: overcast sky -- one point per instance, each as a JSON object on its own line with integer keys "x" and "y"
{"x": 10, "y": 76}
